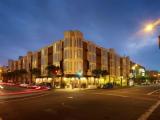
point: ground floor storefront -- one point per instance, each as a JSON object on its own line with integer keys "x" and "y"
{"x": 82, "y": 82}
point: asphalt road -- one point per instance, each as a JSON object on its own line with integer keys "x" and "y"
{"x": 136, "y": 103}
{"x": 7, "y": 88}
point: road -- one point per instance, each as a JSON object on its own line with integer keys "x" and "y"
{"x": 135, "y": 103}
{"x": 7, "y": 89}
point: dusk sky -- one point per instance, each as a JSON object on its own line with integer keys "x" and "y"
{"x": 28, "y": 25}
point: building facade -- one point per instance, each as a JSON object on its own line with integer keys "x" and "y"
{"x": 1, "y": 76}
{"x": 74, "y": 55}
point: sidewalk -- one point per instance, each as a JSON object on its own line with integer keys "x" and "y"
{"x": 70, "y": 89}
{"x": 82, "y": 89}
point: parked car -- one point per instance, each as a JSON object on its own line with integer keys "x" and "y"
{"x": 107, "y": 86}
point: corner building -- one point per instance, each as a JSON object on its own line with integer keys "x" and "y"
{"x": 74, "y": 55}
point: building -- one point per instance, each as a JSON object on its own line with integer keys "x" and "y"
{"x": 1, "y": 76}
{"x": 125, "y": 68}
{"x": 153, "y": 75}
{"x": 11, "y": 65}
{"x": 3, "y": 71}
{"x": 77, "y": 58}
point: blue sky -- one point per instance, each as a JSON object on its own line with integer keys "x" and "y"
{"x": 32, "y": 24}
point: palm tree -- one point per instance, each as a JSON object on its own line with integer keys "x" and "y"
{"x": 35, "y": 72}
{"x": 23, "y": 73}
{"x": 52, "y": 71}
{"x": 17, "y": 75}
{"x": 97, "y": 72}
{"x": 104, "y": 73}
{"x": 11, "y": 76}
{"x": 5, "y": 77}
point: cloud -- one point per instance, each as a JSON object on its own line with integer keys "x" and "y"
{"x": 141, "y": 41}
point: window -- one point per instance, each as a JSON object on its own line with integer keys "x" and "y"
{"x": 79, "y": 43}
{"x": 70, "y": 45}
{"x": 70, "y": 54}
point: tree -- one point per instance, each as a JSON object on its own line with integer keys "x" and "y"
{"x": 104, "y": 72}
{"x": 52, "y": 70}
{"x": 23, "y": 73}
{"x": 17, "y": 74}
{"x": 5, "y": 76}
{"x": 97, "y": 72}
{"x": 11, "y": 75}
{"x": 35, "y": 72}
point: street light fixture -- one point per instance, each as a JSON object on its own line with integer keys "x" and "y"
{"x": 152, "y": 25}
{"x": 149, "y": 27}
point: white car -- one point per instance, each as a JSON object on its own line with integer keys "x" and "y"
{"x": 24, "y": 85}
{"x": 1, "y": 87}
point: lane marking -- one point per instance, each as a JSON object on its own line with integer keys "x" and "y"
{"x": 131, "y": 97}
{"x": 70, "y": 97}
{"x": 150, "y": 93}
{"x": 118, "y": 95}
{"x": 146, "y": 115}
{"x": 112, "y": 95}
{"x": 23, "y": 99}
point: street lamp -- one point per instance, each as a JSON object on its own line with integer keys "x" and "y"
{"x": 79, "y": 74}
{"x": 149, "y": 27}
{"x": 152, "y": 25}
{"x": 134, "y": 71}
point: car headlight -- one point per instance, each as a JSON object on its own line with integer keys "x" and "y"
{"x": 1, "y": 87}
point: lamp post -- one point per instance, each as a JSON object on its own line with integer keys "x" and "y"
{"x": 121, "y": 80}
{"x": 134, "y": 71}
{"x": 79, "y": 74}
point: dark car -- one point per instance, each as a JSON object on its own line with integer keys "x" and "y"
{"x": 107, "y": 86}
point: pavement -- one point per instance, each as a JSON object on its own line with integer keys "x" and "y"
{"x": 134, "y": 103}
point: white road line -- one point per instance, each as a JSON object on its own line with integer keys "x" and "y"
{"x": 118, "y": 95}
{"x": 146, "y": 115}
{"x": 112, "y": 95}
{"x": 70, "y": 97}
{"x": 150, "y": 93}
{"x": 22, "y": 99}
